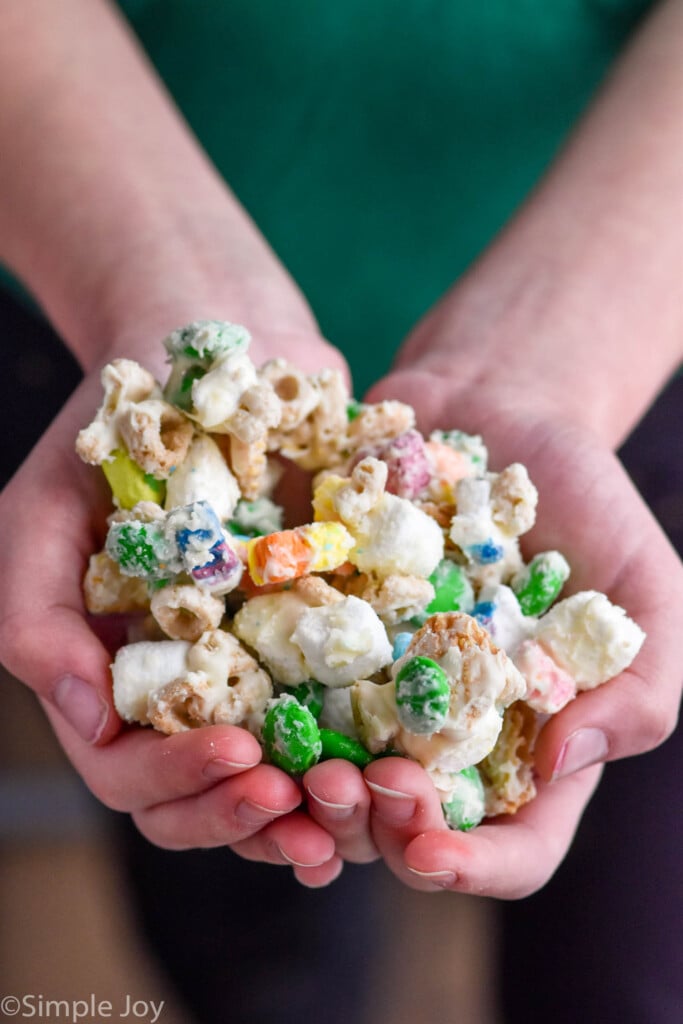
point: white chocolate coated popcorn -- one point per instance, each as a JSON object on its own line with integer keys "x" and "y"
{"x": 203, "y": 476}
{"x": 342, "y": 642}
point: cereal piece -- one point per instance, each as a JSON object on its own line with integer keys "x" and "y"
{"x": 590, "y": 638}
{"x": 378, "y": 425}
{"x": 395, "y": 599}
{"x": 156, "y": 435}
{"x": 483, "y": 683}
{"x": 184, "y": 612}
{"x": 141, "y": 668}
{"x": 266, "y": 623}
{"x": 297, "y": 393}
{"x": 422, "y": 695}
{"x": 538, "y": 584}
{"x": 507, "y": 771}
{"x": 282, "y": 556}
{"x": 107, "y": 591}
{"x": 124, "y": 382}
{"x": 129, "y": 483}
{"x": 249, "y": 463}
{"x": 549, "y": 686}
{"x": 204, "y": 548}
{"x": 464, "y": 801}
{"x": 317, "y": 441}
{"x": 342, "y": 642}
{"x": 221, "y": 685}
{"x": 291, "y": 736}
{"x": 204, "y": 476}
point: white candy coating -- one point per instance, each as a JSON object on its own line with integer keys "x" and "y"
{"x": 342, "y": 642}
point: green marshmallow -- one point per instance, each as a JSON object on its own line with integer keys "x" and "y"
{"x": 311, "y": 694}
{"x": 336, "y": 744}
{"x": 193, "y": 350}
{"x": 142, "y": 549}
{"x": 539, "y": 583}
{"x": 452, "y": 590}
{"x": 129, "y": 483}
{"x": 291, "y": 737}
{"x": 465, "y": 807}
{"x": 423, "y": 695}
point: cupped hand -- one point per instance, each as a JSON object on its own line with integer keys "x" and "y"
{"x": 205, "y": 787}
{"x": 590, "y": 511}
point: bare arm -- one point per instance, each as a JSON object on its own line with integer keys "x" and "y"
{"x": 578, "y": 303}
{"x": 110, "y": 212}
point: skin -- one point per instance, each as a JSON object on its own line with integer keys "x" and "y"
{"x": 572, "y": 286}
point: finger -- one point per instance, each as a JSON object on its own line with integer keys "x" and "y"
{"x": 404, "y": 804}
{"x": 339, "y": 801}
{"x": 142, "y": 767}
{"x": 295, "y": 840}
{"x": 223, "y": 815}
{"x": 512, "y": 856}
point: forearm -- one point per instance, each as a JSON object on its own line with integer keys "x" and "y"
{"x": 578, "y": 303}
{"x": 109, "y": 211}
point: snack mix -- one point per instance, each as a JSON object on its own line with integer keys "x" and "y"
{"x": 402, "y": 620}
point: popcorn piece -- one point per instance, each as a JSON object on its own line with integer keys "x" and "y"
{"x": 498, "y": 611}
{"x": 124, "y": 382}
{"x": 392, "y": 536}
{"x": 184, "y": 612}
{"x": 375, "y": 713}
{"x": 204, "y": 476}
{"x": 590, "y": 638}
{"x": 266, "y": 623}
{"x": 342, "y": 642}
{"x": 489, "y": 545}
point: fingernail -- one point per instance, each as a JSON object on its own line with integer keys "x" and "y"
{"x": 299, "y": 863}
{"x": 393, "y": 806}
{"x": 254, "y": 815}
{"x": 336, "y": 812}
{"x": 443, "y": 879}
{"x": 219, "y": 768}
{"x": 583, "y": 748}
{"x": 81, "y": 706}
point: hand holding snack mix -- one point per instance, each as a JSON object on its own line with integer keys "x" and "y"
{"x": 582, "y": 642}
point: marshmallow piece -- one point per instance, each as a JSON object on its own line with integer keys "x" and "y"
{"x": 342, "y": 642}
{"x": 140, "y": 669}
{"x": 550, "y": 688}
{"x": 590, "y": 638}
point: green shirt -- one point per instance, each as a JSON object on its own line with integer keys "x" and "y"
{"x": 380, "y": 146}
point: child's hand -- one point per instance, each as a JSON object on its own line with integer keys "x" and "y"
{"x": 589, "y": 510}
{"x": 205, "y": 787}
